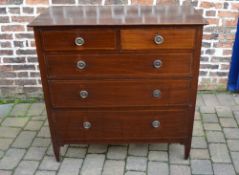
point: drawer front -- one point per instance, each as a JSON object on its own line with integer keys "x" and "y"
{"x": 104, "y": 93}
{"x": 119, "y": 66}
{"x": 72, "y": 40}
{"x": 101, "y": 125}
{"x": 158, "y": 38}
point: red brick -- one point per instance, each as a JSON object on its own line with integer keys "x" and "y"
{"x": 63, "y": 1}
{"x": 208, "y": 5}
{"x": 12, "y": 28}
{"x": 225, "y": 66}
{"x": 214, "y": 21}
{"x": 235, "y": 5}
{"x": 210, "y": 13}
{"x": 81, "y": 2}
{"x": 115, "y": 2}
{"x": 227, "y": 14}
{"x": 230, "y": 22}
{"x": 35, "y": 2}
{"x": 6, "y": 52}
{"x": 22, "y": 18}
{"x": 227, "y": 52}
{"x": 143, "y": 2}
{"x": 166, "y": 2}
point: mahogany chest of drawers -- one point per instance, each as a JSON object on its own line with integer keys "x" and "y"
{"x": 119, "y": 74}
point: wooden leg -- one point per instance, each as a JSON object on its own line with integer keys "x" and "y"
{"x": 187, "y": 148}
{"x": 56, "y": 149}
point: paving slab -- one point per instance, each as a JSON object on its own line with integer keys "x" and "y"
{"x": 15, "y": 121}
{"x": 97, "y": 148}
{"x": 26, "y": 168}
{"x": 93, "y": 164}
{"x": 138, "y": 149}
{"x": 223, "y": 169}
{"x": 136, "y": 163}
{"x": 158, "y": 147}
{"x": 5, "y": 109}
{"x": 76, "y": 152}
{"x": 70, "y": 166}
{"x": 113, "y": 167}
{"x": 20, "y": 110}
{"x": 24, "y": 139}
{"x": 210, "y": 100}
{"x": 180, "y": 170}
{"x": 117, "y": 152}
{"x": 156, "y": 168}
{"x": 226, "y": 99}
{"x": 201, "y": 167}
{"x": 219, "y": 153}
{"x": 35, "y": 153}
{"x": 12, "y": 158}
{"x": 235, "y": 160}
{"x": 36, "y": 109}
{"x": 224, "y": 111}
{"x": 158, "y": 156}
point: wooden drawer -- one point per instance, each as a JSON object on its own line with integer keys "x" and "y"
{"x": 128, "y": 93}
{"x": 119, "y": 66}
{"x": 65, "y": 40}
{"x": 172, "y": 38}
{"x": 120, "y": 125}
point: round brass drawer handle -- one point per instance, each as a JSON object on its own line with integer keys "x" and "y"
{"x": 81, "y": 64}
{"x": 158, "y": 39}
{"x": 84, "y": 94}
{"x": 87, "y": 125}
{"x": 156, "y": 93}
{"x": 79, "y": 41}
{"x": 157, "y": 64}
{"x": 156, "y": 124}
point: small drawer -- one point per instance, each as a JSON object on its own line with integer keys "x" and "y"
{"x": 77, "y": 39}
{"x": 119, "y": 66}
{"x": 120, "y": 125}
{"x": 109, "y": 93}
{"x": 157, "y": 38}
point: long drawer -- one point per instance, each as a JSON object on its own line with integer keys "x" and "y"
{"x": 103, "y": 93}
{"x": 120, "y": 125}
{"x": 119, "y": 65}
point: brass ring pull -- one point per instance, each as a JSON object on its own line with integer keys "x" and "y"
{"x": 84, "y": 94}
{"x": 156, "y": 93}
{"x": 157, "y": 64}
{"x": 156, "y": 124}
{"x": 79, "y": 41}
{"x": 158, "y": 39}
{"x": 81, "y": 64}
{"x": 87, "y": 125}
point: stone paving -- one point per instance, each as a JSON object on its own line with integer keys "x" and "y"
{"x": 25, "y": 146}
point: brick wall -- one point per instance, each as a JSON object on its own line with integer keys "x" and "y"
{"x": 19, "y": 72}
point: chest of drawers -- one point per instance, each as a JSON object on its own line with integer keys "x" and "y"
{"x": 119, "y": 74}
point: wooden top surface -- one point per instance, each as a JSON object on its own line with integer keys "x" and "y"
{"x": 165, "y": 14}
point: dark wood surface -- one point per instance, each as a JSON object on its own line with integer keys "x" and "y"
{"x": 64, "y": 40}
{"x": 120, "y": 125}
{"x": 119, "y": 74}
{"x": 116, "y": 66}
{"x": 165, "y": 14}
{"x": 104, "y": 93}
{"x": 138, "y": 39}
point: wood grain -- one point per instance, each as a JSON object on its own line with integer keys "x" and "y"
{"x": 118, "y": 93}
{"x": 115, "y": 125}
{"x": 64, "y": 40}
{"x": 174, "y": 38}
{"x": 116, "y": 66}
